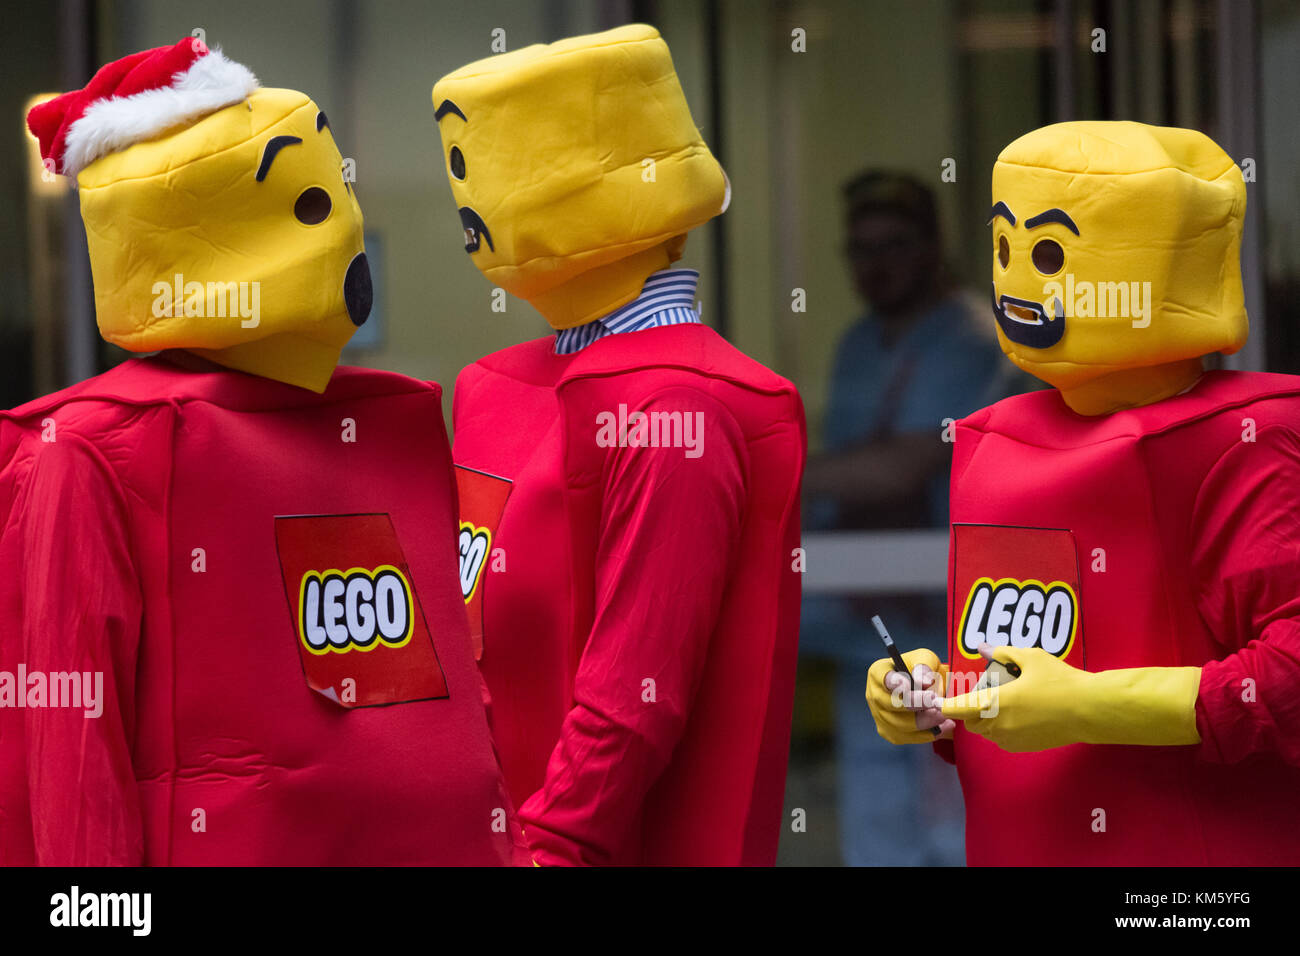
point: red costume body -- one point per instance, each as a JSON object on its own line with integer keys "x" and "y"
{"x": 1187, "y": 545}
{"x": 626, "y": 565}
{"x": 212, "y": 748}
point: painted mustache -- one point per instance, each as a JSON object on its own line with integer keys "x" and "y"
{"x": 1027, "y": 323}
{"x": 475, "y": 229}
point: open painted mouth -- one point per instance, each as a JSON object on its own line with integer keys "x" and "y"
{"x": 1026, "y": 323}
{"x": 476, "y": 230}
{"x": 358, "y": 292}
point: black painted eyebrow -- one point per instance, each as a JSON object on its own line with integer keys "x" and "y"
{"x": 273, "y": 146}
{"x": 445, "y": 107}
{"x": 322, "y": 122}
{"x": 1052, "y": 215}
{"x": 1000, "y": 209}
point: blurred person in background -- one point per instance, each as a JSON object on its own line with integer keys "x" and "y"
{"x": 916, "y": 357}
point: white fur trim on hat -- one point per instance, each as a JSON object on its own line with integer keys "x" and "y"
{"x": 211, "y": 83}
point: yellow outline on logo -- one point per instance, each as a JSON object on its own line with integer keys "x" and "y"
{"x": 474, "y": 531}
{"x": 1020, "y": 584}
{"x": 380, "y": 640}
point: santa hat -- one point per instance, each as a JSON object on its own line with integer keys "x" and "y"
{"x": 134, "y": 99}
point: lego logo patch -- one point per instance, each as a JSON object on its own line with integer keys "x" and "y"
{"x": 482, "y": 503}
{"x": 1013, "y": 586}
{"x": 1021, "y": 614}
{"x": 361, "y": 632}
{"x": 475, "y": 544}
{"x": 355, "y": 610}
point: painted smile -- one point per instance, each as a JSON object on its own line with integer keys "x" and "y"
{"x": 476, "y": 230}
{"x": 1026, "y": 323}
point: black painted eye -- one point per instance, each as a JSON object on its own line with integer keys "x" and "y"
{"x": 457, "y": 160}
{"x": 1048, "y": 257}
{"x": 1004, "y": 251}
{"x": 313, "y": 206}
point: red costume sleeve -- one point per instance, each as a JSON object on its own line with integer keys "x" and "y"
{"x": 81, "y": 612}
{"x": 1246, "y": 533}
{"x": 668, "y": 533}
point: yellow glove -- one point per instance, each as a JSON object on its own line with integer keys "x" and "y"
{"x": 895, "y": 721}
{"x": 1052, "y": 704}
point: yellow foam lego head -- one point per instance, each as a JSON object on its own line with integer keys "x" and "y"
{"x": 577, "y": 169}
{"x": 232, "y": 233}
{"x": 1115, "y": 246}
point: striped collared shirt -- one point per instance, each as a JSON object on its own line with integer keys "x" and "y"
{"x": 667, "y": 298}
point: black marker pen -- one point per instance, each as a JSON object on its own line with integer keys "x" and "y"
{"x": 898, "y": 658}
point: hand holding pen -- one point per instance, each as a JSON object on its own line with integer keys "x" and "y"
{"x": 920, "y": 699}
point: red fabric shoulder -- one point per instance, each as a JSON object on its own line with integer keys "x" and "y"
{"x": 1042, "y": 418}
{"x": 691, "y": 348}
{"x": 155, "y": 381}
{"x": 533, "y": 361}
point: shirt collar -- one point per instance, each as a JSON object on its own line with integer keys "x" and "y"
{"x": 667, "y": 298}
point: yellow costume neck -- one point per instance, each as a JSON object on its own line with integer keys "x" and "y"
{"x": 284, "y": 357}
{"x": 215, "y": 360}
{"x": 597, "y": 292}
{"x": 1132, "y": 387}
